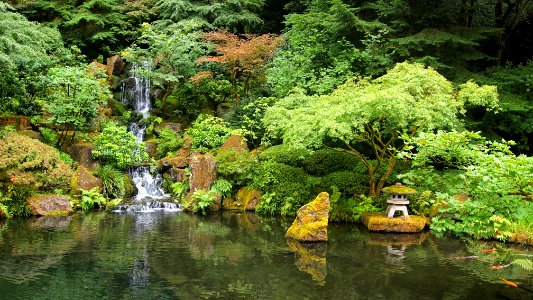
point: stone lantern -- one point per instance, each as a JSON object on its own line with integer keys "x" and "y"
{"x": 398, "y": 199}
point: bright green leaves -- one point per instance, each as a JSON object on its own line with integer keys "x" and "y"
{"x": 118, "y": 147}
{"x": 73, "y": 94}
{"x": 208, "y": 132}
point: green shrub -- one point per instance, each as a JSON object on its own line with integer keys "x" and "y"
{"x": 248, "y": 116}
{"x": 285, "y": 154}
{"x": 29, "y": 162}
{"x": 118, "y": 147}
{"x": 49, "y": 136}
{"x": 201, "y": 200}
{"x": 208, "y": 132}
{"x": 14, "y": 201}
{"x": 168, "y": 143}
{"x": 91, "y": 198}
{"x": 235, "y": 166}
{"x": 284, "y": 188}
{"x": 348, "y": 183}
{"x": 326, "y": 161}
{"x": 222, "y": 187}
{"x": 112, "y": 180}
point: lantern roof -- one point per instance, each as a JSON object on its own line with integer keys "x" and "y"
{"x": 399, "y": 189}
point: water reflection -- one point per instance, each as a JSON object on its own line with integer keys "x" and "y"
{"x": 310, "y": 258}
{"x": 238, "y": 256}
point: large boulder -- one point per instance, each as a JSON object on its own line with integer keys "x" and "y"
{"x": 19, "y": 122}
{"x": 236, "y": 143}
{"x": 380, "y": 222}
{"x": 49, "y": 205}
{"x": 151, "y": 148}
{"x": 83, "y": 179}
{"x": 246, "y": 199}
{"x": 82, "y": 153}
{"x": 311, "y": 223}
{"x": 203, "y": 171}
{"x": 168, "y": 163}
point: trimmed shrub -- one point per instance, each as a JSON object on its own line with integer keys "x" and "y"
{"x": 326, "y": 161}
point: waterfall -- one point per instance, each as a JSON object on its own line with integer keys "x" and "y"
{"x": 135, "y": 93}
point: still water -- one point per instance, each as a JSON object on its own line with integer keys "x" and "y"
{"x": 241, "y": 256}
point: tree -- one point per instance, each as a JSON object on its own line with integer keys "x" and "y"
{"x": 324, "y": 47}
{"x": 243, "y": 56}
{"x": 73, "y": 95}
{"x": 27, "y": 49}
{"x": 236, "y": 15}
{"x": 409, "y": 99}
{"x": 171, "y": 52}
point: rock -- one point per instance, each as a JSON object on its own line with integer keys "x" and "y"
{"x": 380, "y": 222}
{"x": 115, "y": 65}
{"x": 83, "y": 179}
{"x": 32, "y": 134}
{"x": 234, "y": 142}
{"x": 82, "y": 153}
{"x": 177, "y": 175}
{"x": 246, "y": 199}
{"x": 49, "y": 205}
{"x": 203, "y": 171}
{"x": 168, "y": 163}
{"x": 223, "y": 109}
{"x": 19, "y": 122}
{"x": 310, "y": 258}
{"x": 185, "y": 150}
{"x": 130, "y": 189}
{"x": 176, "y": 127}
{"x": 151, "y": 148}
{"x": 311, "y": 223}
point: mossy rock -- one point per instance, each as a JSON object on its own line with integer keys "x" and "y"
{"x": 49, "y": 205}
{"x": 129, "y": 187}
{"x": 311, "y": 223}
{"x": 380, "y": 222}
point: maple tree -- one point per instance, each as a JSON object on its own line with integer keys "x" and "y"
{"x": 242, "y": 56}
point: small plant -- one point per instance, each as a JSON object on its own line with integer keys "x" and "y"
{"x": 179, "y": 188}
{"x": 90, "y": 198}
{"x": 168, "y": 142}
{"x": 524, "y": 263}
{"x": 208, "y": 132}
{"x": 112, "y": 180}
{"x": 49, "y": 136}
{"x": 204, "y": 200}
{"x": 222, "y": 187}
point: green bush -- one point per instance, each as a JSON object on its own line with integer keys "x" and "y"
{"x": 235, "y": 166}
{"x": 285, "y": 154}
{"x": 348, "y": 183}
{"x": 168, "y": 143}
{"x": 118, "y": 147}
{"x": 29, "y": 162}
{"x": 91, "y": 198}
{"x": 49, "y": 136}
{"x": 208, "y": 132}
{"x": 326, "y": 161}
{"x": 112, "y": 180}
{"x": 14, "y": 201}
{"x": 284, "y": 188}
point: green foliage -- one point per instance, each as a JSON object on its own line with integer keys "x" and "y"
{"x": 284, "y": 154}
{"x": 90, "y": 198}
{"x": 29, "y": 162}
{"x": 222, "y": 187}
{"x": 208, "y": 132}
{"x": 247, "y": 117}
{"x": 409, "y": 99}
{"x": 496, "y": 182}
{"x": 524, "y": 263}
{"x": 7, "y": 129}
{"x": 235, "y": 166}
{"x": 112, "y": 180}
{"x": 179, "y": 188}
{"x": 327, "y": 45}
{"x": 348, "y": 183}
{"x": 168, "y": 143}
{"x": 203, "y": 200}
{"x": 13, "y": 201}
{"x": 325, "y": 161}
{"x": 284, "y": 187}
{"x": 118, "y": 147}
{"x": 49, "y": 136}
{"x": 73, "y": 95}
{"x": 27, "y": 50}
{"x": 238, "y": 16}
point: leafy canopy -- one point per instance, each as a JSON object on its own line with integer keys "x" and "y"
{"x": 409, "y": 99}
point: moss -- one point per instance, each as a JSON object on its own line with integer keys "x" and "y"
{"x": 311, "y": 224}
{"x": 380, "y": 222}
{"x": 399, "y": 189}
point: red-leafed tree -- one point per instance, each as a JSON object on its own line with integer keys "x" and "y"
{"x": 242, "y": 56}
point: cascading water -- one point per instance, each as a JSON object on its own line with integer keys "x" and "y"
{"x": 136, "y": 93}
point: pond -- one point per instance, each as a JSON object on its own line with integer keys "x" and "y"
{"x": 241, "y": 256}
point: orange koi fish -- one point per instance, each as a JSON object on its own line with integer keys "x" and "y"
{"x": 487, "y": 250}
{"x": 497, "y": 267}
{"x": 509, "y": 283}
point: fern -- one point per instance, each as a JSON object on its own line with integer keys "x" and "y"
{"x": 524, "y": 263}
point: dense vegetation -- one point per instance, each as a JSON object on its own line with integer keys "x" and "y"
{"x": 338, "y": 95}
